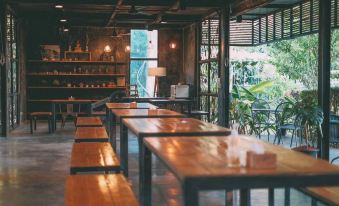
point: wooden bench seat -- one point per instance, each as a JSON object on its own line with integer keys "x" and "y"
{"x": 90, "y": 134}
{"x": 88, "y": 122}
{"x": 92, "y": 157}
{"x": 327, "y": 195}
{"x": 103, "y": 190}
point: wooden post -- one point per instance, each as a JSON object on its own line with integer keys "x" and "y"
{"x": 224, "y": 100}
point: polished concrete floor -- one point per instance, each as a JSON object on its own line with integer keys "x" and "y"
{"x": 33, "y": 170}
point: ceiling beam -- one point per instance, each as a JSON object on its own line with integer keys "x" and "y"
{"x": 242, "y": 6}
{"x": 114, "y": 13}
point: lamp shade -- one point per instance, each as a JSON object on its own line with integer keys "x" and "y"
{"x": 157, "y": 71}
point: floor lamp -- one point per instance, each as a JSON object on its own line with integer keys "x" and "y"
{"x": 156, "y": 72}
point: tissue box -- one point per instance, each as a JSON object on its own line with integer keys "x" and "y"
{"x": 267, "y": 160}
{"x": 133, "y": 105}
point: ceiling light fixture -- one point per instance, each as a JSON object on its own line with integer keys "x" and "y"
{"x": 59, "y": 6}
{"x": 63, "y": 20}
{"x": 163, "y": 22}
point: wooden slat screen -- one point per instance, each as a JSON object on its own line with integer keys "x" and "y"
{"x": 299, "y": 19}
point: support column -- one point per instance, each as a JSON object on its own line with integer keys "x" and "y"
{"x": 3, "y": 74}
{"x": 324, "y": 84}
{"x": 224, "y": 100}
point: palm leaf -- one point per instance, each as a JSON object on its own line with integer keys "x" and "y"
{"x": 259, "y": 88}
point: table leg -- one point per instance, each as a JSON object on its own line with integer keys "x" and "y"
{"x": 271, "y": 196}
{"x": 113, "y": 135}
{"x": 229, "y": 197}
{"x": 245, "y": 197}
{"x": 110, "y": 124}
{"x": 287, "y": 196}
{"x": 124, "y": 148}
{"x": 53, "y": 117}
{"x": 190, "y": 195}
{"x": 107, "y": 120}
{"x": 145, "y": 177}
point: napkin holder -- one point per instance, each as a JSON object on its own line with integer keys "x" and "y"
{"x": 266, "y": 160}
{"x": 133, "y": 105}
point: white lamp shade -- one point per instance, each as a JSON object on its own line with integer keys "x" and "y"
{"x": 157, "y": 71}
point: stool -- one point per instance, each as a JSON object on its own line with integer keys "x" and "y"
{"x": 34, "y": 116}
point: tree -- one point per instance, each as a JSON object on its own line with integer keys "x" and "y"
{"x": 297, "y": 59}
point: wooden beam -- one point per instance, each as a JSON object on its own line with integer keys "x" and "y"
{"x": 242, "y": 6}
{"x": 114, "y": 13}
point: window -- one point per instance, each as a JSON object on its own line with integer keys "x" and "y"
{"x": 12, "y": 71}
{"x": 209, "y": 67}
{"x": 144, "y": 54}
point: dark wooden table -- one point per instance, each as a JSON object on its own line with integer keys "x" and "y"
{"x": 90, "y": 134}
{"x": 55, "y": 102}
{"x": 109, "y": 116}
{"x": 159, "y": 127}
{"x": 103, "y": 190}
{"x": 168, "y": 101}
{"x": 200, "y": 163}
{"x": 90, "y": 157}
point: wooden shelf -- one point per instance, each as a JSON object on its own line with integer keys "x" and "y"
{"x": 101, "y": 75}
{"x": 49, "y": 100}
{"x": 75, "y": 62}
{"x": 116, "y": 87}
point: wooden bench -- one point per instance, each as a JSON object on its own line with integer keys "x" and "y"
{"x": 94, "y": 157}
{"x": 34, "y": 116}
{"x": 90, "y": 134}
{"x": 103, "y": 190}
{"x": 88, "y": 122}
{"x": 327, "y": 195}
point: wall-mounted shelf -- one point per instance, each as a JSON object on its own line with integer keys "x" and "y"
{"x": 80, "y": 75}
{"x": 38, "y": 87}
{"x": 74, "y": 62}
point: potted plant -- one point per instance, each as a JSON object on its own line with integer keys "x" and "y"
{"x": 311, "y": 119}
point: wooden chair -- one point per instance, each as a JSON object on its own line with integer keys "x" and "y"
{"x": 34, "y": 116}
{"x": 132, "y": 90}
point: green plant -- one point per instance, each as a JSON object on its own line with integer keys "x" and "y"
{"x": 312, "y": 118}
{"x": 241, "y": 101}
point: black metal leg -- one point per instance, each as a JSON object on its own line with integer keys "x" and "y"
{"x": 271, "y": 196}
{"x": 190, "y": 195}
{"x": 31, "y": 124}
{"x": 245, "y": 197}
{"x": 287, "y": 196}
{"x": 34, "y": 123}
{"x": 53, "y": 118}
{"x": 313, "y": 202}
{"x": 110, "y": 124}
{"x": 107, "y": 120}
{"x": 145, "y": 177}
{"x": 49, "y": 125}
{"x": 124, "y": 149}
{"x": 334, "y": 159}
{"x": 113, "y": 135}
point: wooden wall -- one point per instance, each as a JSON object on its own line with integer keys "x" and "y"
{"x": 170, "y": 58}
{"x": 189, "y": 54}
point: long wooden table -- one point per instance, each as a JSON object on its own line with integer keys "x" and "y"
{"x": 54, "y": 102}
{"x": 169, "y": 101}
{"x": 110, "y": 119}
{"x": 159, "y": 127}
{"x": 119, "y": 114}
{"x": 200, "y": 163}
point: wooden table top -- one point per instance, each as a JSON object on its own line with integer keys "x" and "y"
{"x": 169, "y": 100}
{"x": 204, "y": 158}
{"x": 103, "y": 190}
{"x": 144, "y": 113}
{"x": 170, "y": 126}
{"x": 85, "y": 133}
{"x": 128, "y": 106}
{"x": 88, "y": 121}
{"x": 329, "y": 195}
{"x": 93, "y": 155}
{"x": 71, "y": 101}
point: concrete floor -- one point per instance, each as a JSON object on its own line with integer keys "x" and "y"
{"x": 33, "y": 170}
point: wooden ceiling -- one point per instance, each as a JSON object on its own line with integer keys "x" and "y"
{"x": 119, "y": 13}
{"x": 143, "y": 14}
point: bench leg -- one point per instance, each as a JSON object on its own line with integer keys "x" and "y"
{"x": 31, "y": 124}
{"x": 34, "y": 123}
{"x": 49, "y": 125}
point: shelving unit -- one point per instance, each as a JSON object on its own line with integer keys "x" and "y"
{"x": 47, "y": 80}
